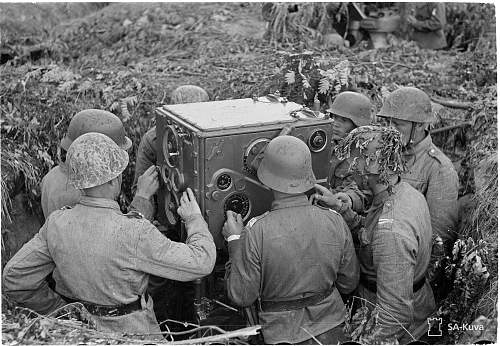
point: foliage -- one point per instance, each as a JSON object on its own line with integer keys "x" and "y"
{"x": 467, "y": 23}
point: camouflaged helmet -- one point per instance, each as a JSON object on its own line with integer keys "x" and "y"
{"x": 94, "y": 159}
{"x": 286, "y": 166}
{"x": 374, "y": 150}
{"x": 354, "y": 106}
{"x": 96, "y": 120}
{"x": 410, "y": 104}
{"x": 188, "y": 94}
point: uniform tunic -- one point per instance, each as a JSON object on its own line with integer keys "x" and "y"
{"x": 433, "y": 174}
{"x": 293, "y": 251}
{"x": 56, "y": 191}
{"x": 99, "y": 255}
{"x": 395, "y": 248}
{"x": 429, "y": 28}
{"x": 146, "y": 154}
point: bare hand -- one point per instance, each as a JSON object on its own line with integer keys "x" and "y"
{"x": 147, "y": 183}
{"x": 344, "y": 198}
{"x": 189, "y": 207}
{"x": 325, "y": 197}
{"x": 233, "y": 224}
{"x": 286, "y": 130}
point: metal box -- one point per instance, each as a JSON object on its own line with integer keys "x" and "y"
{"x": 209, "y": 147}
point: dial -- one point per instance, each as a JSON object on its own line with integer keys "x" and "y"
{"x": 252, "y": 151}
{"x": 171, "y": 147}
{"x": 239, "y": 203}
{"x": 317, "y": 141}
{"x": 224, "y": 181}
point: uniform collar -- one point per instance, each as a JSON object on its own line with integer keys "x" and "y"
{"x": 380, "y": 198}
{"x": 99, "y": 202}
{"x": 423, "y": 145}
{"x": 290, "y": 202}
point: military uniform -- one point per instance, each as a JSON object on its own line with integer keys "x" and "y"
{"x": 429, "y": 29}
{"x": 56, "y": 192}
{"x": 99, "y": 255}
{"x": 395, "y": 248}
{"x": 341, "y": 180}
{"x": 146, "y": 154}
{"x": 433, "y": 174}
{"x": 294, "y": 251}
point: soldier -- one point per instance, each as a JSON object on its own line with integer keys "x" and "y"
{"x": 146, "y": 154}
{"x": 101, "y": 257}
{"x": 56, "y": 192}
{"x": 429, "y": 170}
{"x": 428, "y": 25}
{"x": 395, "y": 237}
{"x": 295, "y": 259}
{"x": 349, "y": 111}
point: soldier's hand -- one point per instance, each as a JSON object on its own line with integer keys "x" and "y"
{"x": 344, "y": 198}
{"x": 325, "y": 197}
{"x": 147, "y": 183}
{"x": 189, "y": 207}
{"x": 286, "y": 130}
{"x": 233, "y": 224}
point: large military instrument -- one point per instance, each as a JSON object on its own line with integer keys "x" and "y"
{"x": 209, "y": 147}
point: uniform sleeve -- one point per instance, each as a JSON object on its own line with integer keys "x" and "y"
{"x": 146, "y": 156}
{"x": 442, "y": 199}
{"x": 143, "y": 206}
{"x": 24, "y": 276}
{"x": 394, "y": 260}
{"x": 348, "y": 274}
{"x": 436, "y": 21}
{"x": 158, "y": 255}
{"x": 243, "y": 270}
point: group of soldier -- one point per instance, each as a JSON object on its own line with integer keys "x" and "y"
{"x": 390, "y": 204}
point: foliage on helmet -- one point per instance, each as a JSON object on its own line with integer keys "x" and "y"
{"x": 94, "y": 159}
{"x": 387, "y": 156}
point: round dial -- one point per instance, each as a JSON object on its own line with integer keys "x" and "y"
{"x": 239, "y": 203}
{"x": 171, "y": 147}
{"x": 224, "y": 181}
{"x": 317, "y": 141}
{"x": 252, "y": 151}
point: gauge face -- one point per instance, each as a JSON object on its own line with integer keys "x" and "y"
{"x": 317, "y": 141}
{"x": 252, "y": 151}
{"x": 239, "y": 203}
{"x": 171, "y": 149}
{"x": 224, "y": 181}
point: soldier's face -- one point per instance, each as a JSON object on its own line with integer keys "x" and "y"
{"x": 341, "y": 126}
{"x": 402, "y": 126}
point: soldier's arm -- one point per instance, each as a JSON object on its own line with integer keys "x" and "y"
{"x": 442, "y": 199}
{"x": 24, "y": 276}
{"x": 146, "y": 156}
{"x": 243, "y": 272}
{"x": 437, "y": 20}
{"x": 158, "y": 255}
{"x": 360, "y": 199}
{"x": 394, "y": 261}
{"x": 348, "y": 274}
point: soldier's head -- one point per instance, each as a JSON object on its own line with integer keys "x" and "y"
{"x": 349, "y": 110}
{"x": 409, "y": 110}
{"x": 373, "y": 151}
{"x": 286, "y": 166}
{"x": 95, "y": 120}
{"x": 95, "y": 165}
{"x": 188, "y": 94}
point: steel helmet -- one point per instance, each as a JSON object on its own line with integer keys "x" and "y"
{"x": 188, "y": 94}
{"x": 354, "y": 106}
{"x": 373, "y": 149}
{"x": 96, "y": 120}
{"x": 408, "y": 103}
{"x": 94, "y": 159}
{"x": 286, "y": 166}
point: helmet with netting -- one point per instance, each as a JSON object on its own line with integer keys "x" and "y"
{"x": 94, "y": 159}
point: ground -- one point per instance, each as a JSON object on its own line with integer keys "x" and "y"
{"x": 127, "y": 58}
